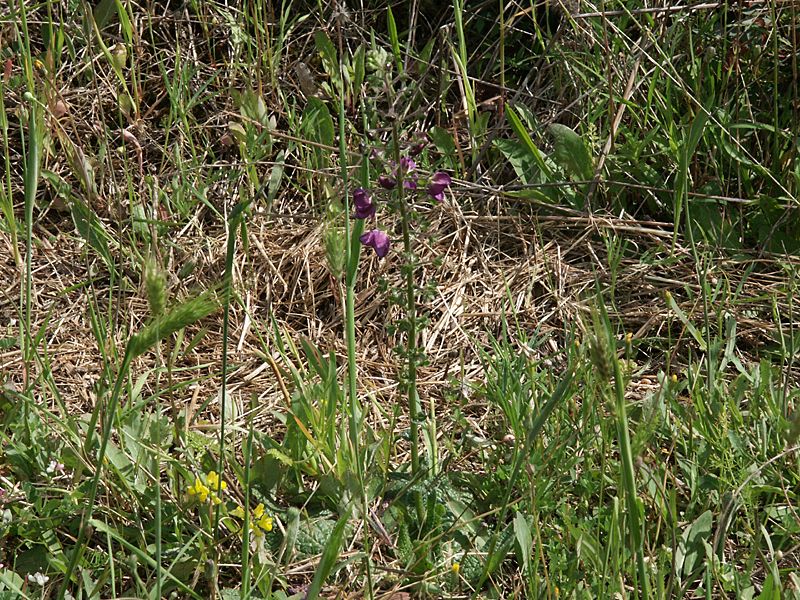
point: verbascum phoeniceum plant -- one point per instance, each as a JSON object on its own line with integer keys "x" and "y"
{"x": 402, "y": 184}
{"x": 398, "y": 179}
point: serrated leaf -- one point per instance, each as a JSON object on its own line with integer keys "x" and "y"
{"x": 280, "y": 457}
{"x": 570, "y": 152}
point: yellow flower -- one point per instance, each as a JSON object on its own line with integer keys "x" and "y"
{"x": 215, "y": 482}
{"x": 265, "y": 523}
{"x": 455, "y": 568}
{"x": 262, "y": 522}
{"x": 199, "y": 489}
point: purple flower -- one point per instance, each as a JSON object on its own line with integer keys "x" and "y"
{"x": 377, "y": 240}
{"x": 407, "y": 165}
{"x": 387, "y": 182}
{"x": 363, "y": 203}
{"x": 417, "y": 148}
{"x": 437, "y": 184}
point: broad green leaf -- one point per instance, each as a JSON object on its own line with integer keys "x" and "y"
{"x": 328, "y": 52}
{"x": 504, "y": 545}
{"x": 519, "y": 157}
{"x": 276, "y": 177}
{"x": 330, "y": 60}
{"x": 104, "y": 12}
{"x": 443, "y": 140}
{"x": 522, "y": 531}
{"x": 359, "y": 69}
{"x": 691, "y": 550}
{"x": 253, "y": 107}
{"x": 571, "y": 153}
{"x": 292, "y": 530}
{"x": 771, "y": 590}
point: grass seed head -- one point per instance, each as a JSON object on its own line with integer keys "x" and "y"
{"x": 155, "y": 283}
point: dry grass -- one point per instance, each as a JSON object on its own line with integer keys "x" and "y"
{"x": 535, "y": 272}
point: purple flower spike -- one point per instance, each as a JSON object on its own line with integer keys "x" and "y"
{"x": 377, "y": 240}
{"x": 387, "y": 182}
{"x": 437, "y": 184}
{"x": 365, "y": 209}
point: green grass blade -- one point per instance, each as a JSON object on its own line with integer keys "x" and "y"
{"x": 329, "y": 556}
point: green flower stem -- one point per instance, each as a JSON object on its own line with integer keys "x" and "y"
{"x": 411, "y": 313}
